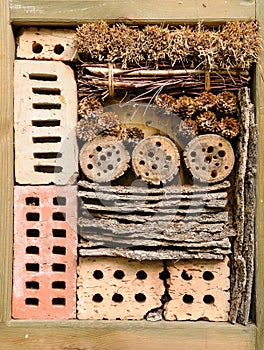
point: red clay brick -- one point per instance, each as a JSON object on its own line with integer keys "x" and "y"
{"x": 111, "y": 288}
{"x": 45, "y": 252}
{"x": 199, "y": 289}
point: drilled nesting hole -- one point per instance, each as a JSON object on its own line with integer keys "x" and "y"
{"x": 208, "y": 276}
{"x": 117, "y": 298}
{"x": 59, "y": 301}
{"x": 37, "y": 47}
{"x": 59, "y": 285}
{"x": 208, "y": 299}
{"x": 187, "y": 299}
{"x": 32, "y": 285}
{"x": 32, "y": 250}
{"x": 98, "y": 274}
{"x": 141, "y": 275}
{"x": 119, "y": 274}
{"x": 185, "y": 276}
{"x": 140, "y": 297}
{"x": 32, "y": 301}
{"x": 33, "y": 201}
{"x": 97, "y": 298}
{"x": 58, "y": 267}
{"x": 58, "y": 49}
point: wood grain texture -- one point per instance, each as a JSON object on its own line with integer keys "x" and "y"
{"x": 130, "y": 335}
{"x": 6, "y": 161}
{"x": 73, "y": 12}
{"x": 259, "y": 102}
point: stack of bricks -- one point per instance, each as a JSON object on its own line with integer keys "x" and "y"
{"x": 45, "y": 282}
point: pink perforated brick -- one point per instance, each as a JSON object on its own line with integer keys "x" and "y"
{"x": 118, "y": 288}
{"x": 45, "y": 252}
{"x": 199, "y": 290}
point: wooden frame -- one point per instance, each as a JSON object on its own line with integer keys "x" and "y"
{"x": 118, "y": 334}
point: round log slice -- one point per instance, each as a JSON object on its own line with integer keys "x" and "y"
{"x": 156, "y": 159}
{"x": 210, "y": 158}
{"x": 104, "y": 159}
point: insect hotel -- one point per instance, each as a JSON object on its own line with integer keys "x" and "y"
{"x": 135, "y": 148}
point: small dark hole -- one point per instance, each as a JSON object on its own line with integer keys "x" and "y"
{"x": 58, "y": 49}
{"x": 90, "y": 166}
{"x": 60, "y": 233}
{"x": 32, "y": 216}
{"x": 32, "y": 232}
{"x": 110, "y": 167}
{"x": 220, "y": 145}
{"x": 59, "y": 250}
{"x": 46, "y": 105}
{"x": 58, "y": 267}
{"x": 34, "y": 201}
{"x": 97, "y": 298}
{"x": 51, "y": 169}
{"x": 193, "y": 154}
{"x": 32, "y": 301}
{"x": 59, "y": 216}
{"x": 43, "y": 77}
{"x": 59, "y": 201}
{"x": 185, "y": 276}
{"x": 59, "y": 301}
{"x": 118, "y": 160}
{"x": 217, "y": 164}
{"x": 208, "y": 299}
{"x": 210, "y": 149}
{"x": 197, "y": 168}
{"x": 221, "y": 153}
{"x": 59, "y": 285}
{"x": 208, "y": 159}
{"x": 154, "y": 166}
{"x": 147, "y": 174}
{"x": 208, "y": 276}
{"x": 117, "y": 298}
{"x": 47, "y": 155}
{"x": 141, "y": 275}
{"x": 98, "y": 148}
{"x": 142, "y": 162}
{"x": 151, "y": 154}
{"x": 214, "y": 173}
{"x": 47, "y": 139}
{"x": 32, "y": 250}
{"x": 119, "y": 274}
{"x": 226, "y": 167}
{"x": 158, "y": 144}
{"x": 140, "y": 297}
{"x": 37, "y": 47}
{"x": 32, "y": 285}
{"x": 98, "y": 274}
{"x": 103, "y": 157}
{"x": 168, "y": 158}
{"x": 46, "y": 91}
{"x": 32, "y": 267}
{"x": 187, "y": 299}
{"x": 109, "y": 154}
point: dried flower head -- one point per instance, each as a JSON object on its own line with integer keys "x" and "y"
{"x": 205, "y": 101}
{"x": 185, "y": 106}
{"x": 89, "y": 108}
{"x": 226, "y": 103}
{"x": 155, "y": 42}
{"x": 228, "y": 127}
{"x": 179, "y": 49}
{"x": 207, "y": 121}
{"x": 165, "y": 101}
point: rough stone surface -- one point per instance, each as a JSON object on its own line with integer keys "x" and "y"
{"x": 45, "y": 115}
{"x": 118, "y": 288}
{"x": 45, "y": 252}
{"x": 48, "y": 44}
{"x": 199, "y": 290}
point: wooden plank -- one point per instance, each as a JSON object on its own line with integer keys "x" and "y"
{"x": 259, "y": 102}
{"x": 130, "y": 335}
{"x": 72, "y": 12}
{"x": 6, "y": 161}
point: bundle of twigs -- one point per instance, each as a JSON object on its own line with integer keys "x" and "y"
{"x": 144, "y": 84}
{"x": 228, "y": 46}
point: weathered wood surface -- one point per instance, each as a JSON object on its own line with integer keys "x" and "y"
{"x": 23, "y": 11}
{"x": 242, "y": 258}
{"x": 7, "y": 49}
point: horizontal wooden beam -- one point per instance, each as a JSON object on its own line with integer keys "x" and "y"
{"x": 119, "y": 335}
{"x": 171, "y": 11}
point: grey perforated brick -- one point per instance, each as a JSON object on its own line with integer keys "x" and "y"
{"x": 45, "y": 252}
{"x": 48, "y": 44}
{"x": 199, "y": 290}
{"x": 118, "y": 288}
{"x": 45, "y": 114}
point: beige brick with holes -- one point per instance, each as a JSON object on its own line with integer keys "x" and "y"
{"x": 45, "y": 252}
{"x": 47, "y": 44}
{"x": 45, "y": 115}
{"x": 199, "y": 290}
{"x": 118, "y": 288}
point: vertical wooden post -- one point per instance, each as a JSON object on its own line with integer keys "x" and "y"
{"x": 6, "y": 160}
{"x": 259, "y": 101}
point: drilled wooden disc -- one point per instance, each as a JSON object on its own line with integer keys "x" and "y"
{"x": 104, "y": 159}
{"x": 210, "y": 158}
{"x": 156, "y": 159}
